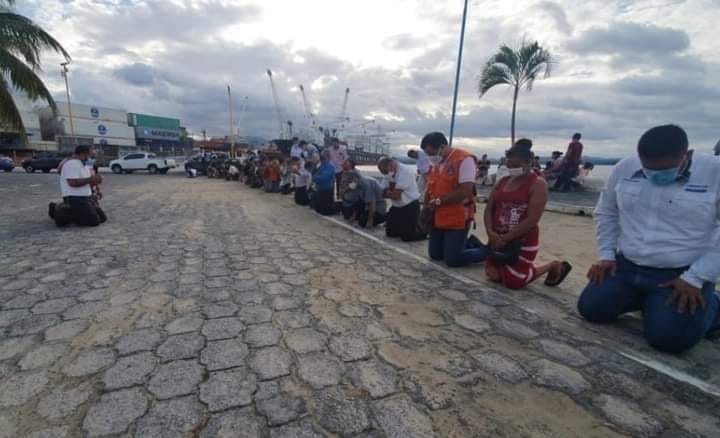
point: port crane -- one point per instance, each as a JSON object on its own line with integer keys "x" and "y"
{"x": 278, "y": 111}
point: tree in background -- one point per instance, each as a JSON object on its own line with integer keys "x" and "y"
{"x": 517, "y": 68}
{"x": 21, "y": 42}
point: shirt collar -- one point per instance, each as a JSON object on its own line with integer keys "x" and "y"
{"x": 684, "y": 177}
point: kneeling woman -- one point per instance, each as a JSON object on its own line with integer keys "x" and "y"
{"x": 511, "y": 220}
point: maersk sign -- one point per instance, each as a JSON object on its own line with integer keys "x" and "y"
{"x": 154, "y": 121}
{"x": 157, "y": 133}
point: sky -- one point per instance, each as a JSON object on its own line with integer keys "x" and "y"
{"x": 620, "y": 66}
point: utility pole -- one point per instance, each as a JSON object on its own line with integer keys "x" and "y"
{"x": 67, "y": 92}
{"x": 457, "y": 72}
{"x": 204, "y": 140}
{"x": 232, "y": 137}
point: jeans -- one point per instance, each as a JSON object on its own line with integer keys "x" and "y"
{"x": 301, "y": 196}
{"x": 636, "y": 288}
{"x": 80, "y": 210}
{"x": 450, "y": 245}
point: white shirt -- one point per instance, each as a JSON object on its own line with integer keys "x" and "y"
{"x": 296, "y": 151}
{"x": 663, "y": 226}
{"x": 404, "y": 180}
{"x": 423, "y": 164}
{"x": 302, "y": 178}
{"x": 74, "y": 169}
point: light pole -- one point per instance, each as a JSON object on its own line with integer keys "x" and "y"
{"x": 457, "y": 72}
{"x": 67, "y": 91}
{"x": 232, "y": 137}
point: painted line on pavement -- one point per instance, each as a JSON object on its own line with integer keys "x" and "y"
{"x": 653, "y": 364}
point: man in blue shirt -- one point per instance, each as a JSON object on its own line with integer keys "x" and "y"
{"x": 658, "y": 232}
{"x": 324, "y": 186}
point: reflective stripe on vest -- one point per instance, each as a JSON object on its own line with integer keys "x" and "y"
{"x": 443, "y": 180}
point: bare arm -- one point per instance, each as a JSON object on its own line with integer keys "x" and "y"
{"x": 536, "y": 207}
{"x": 459, "y": 195}
{"x": 79, "y": 182}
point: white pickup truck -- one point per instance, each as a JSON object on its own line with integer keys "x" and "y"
{"x": 141, "y": 161}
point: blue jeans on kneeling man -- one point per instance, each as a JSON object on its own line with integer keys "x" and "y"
{"x": 636, "y": 288}
{"x": 450, "y": 246}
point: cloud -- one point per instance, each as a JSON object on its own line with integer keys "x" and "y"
{"x": 404, "y": 41}
{"x": 557, "y": 13}
{"x": 630, "y": 38}
{"x": 136, "y": 74}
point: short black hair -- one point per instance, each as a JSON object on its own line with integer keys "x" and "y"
{"x": 577, "y": 136}
{"x": 663, "y": 142}
{"x": 82, "y": 149}
{"x": 436, "y": 140}
{"x": 521, "y": 149}
{"x": 303, "y": 142}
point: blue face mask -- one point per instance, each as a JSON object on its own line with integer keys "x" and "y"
{"x": 663, "y": 177}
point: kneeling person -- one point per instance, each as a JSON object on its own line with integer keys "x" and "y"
{"x": 369, "y": 206}
{"x": 401, "y": 188}
{"x": 76, "y": 181}
{"x": 658, "y": 230}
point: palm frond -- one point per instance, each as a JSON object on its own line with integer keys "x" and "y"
{"x": 23, "y": 78}
{"x": 492, "y": 75}
{"x": 534, "y": 60}
{"x": 20, "y": 35}
{"x": 9, "y": 113}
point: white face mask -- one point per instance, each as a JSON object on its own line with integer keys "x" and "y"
{"x": 516, "y": 172}
{"x": 352, "y": 185}
{"x": 435, "y": 159}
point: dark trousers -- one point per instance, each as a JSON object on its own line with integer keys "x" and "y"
{"x": 565, "y": 178}
{"x": 286, "y": 189}
{"x": 324, "y": 202}
{"x": 80, "y": 210}
{"x": 450, "y": 246}
{"x": 338, "y": 178}
{"x": 301, "y": 196}
{"x": 635, "y": 288}
{"x": 402, "y": 222}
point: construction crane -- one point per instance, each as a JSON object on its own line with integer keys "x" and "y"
{"x": 308, "y": 108}
{"x": 241, "y": 117}
{"x": 343, "y": 112}
{"x": 278, "y": 111}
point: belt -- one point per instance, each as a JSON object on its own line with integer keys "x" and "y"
{"x": 651, "y": 268}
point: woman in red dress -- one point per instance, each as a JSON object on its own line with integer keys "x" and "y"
{"x": 512, "y": 215}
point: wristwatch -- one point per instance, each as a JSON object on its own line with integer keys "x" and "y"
{"x": 437, "y": 202}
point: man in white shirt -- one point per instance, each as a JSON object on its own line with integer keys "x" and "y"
{"x": 76, "y": 181}
{"x": 658, "y": 231}
{"x": 296, "y": 150}
{"x": 310, "y": 155}
{"x": 301, "y": 179}
{"x": 338, "y": 155}
{"x": 401, "y": 188}
{"x": 423, "y": 168}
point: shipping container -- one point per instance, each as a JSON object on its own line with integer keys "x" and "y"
{"x": 113, "y": 141}
{"x": 134, "y": 119}
{"x": 157, "y": 133}
{"x": 96, "y": 128}
{"x": 92, "y": 113}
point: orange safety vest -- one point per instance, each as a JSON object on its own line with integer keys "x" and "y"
{"x": 443, "y": 180}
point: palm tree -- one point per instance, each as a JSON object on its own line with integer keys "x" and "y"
{"x": 21, "y": 41}
{"x": 517, "y": 68}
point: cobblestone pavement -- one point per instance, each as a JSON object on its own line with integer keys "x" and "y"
{"x": 203, "y": 308}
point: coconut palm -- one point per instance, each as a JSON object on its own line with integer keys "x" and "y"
{"x": 517, "y": 68}
{"x": 21, "y": 42}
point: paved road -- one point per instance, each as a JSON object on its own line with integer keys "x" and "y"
{"x": 203, "y": 308}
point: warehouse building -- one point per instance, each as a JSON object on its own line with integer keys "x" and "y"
{"x": 157, "y": 134}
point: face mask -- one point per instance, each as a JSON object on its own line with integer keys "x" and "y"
{"x": 435, "y": 159}
{"x": 352, "y": 185}
{"x": 516, "y": 172}
{"x": 662, "y": 177}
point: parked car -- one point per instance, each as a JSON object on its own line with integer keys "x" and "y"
{"x": 206, "y": 164}
{"x": 141, "y": 161}
{"x": 6, "y": 164}
{"x": 44, "y": 162}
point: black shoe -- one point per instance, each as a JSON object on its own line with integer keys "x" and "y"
{"x": 473, "y": 242}
{"x": 51, "y": 210}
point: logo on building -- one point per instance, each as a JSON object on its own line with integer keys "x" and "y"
{"x": 102, "y": 130}
{"x": 94, "y": 112}
{"x": 103, "y": 142}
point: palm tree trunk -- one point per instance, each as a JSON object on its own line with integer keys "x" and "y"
{"x": 512, "y": 123}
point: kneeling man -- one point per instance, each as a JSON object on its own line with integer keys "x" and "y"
{"x": 76, "y": 182}
{"x": 658, "y": 230}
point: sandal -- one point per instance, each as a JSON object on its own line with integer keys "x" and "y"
{"x": 565, "y": 269}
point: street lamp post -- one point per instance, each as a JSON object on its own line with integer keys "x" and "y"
{"x": 457, "y": 72}
{"x": 67, "y": 92}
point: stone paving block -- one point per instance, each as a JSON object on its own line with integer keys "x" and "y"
{"x": 400, "y": 418}
{"x": 499, "y": 366}
{"x": 138, "y": 340}
{"x": 516, "y": 330}
{"x": 563, "y": 353}
{"x": 320, "y": 370}
{"x": 267, "y": 389}
{"x": 115, "y": 412}
{"x": 171, "y": 419}
{"x": 130, "y": 370}
{"x": 84, "y": 310}
{"x": 453, "y": 295}
{"x": 340, "y": 413}
{"x": 277, "y": 289}
{"x": 33, "y": 324}
{"x": 20, "y": 388}
{"x": 696, "y": 423}
{"x": 228, "y": 389}
{"x": 262, "y": 335}
{"x": 63, "y": 402}
{"x": 286, "y": 303}
{"x": 281, "y": 409}
{"x": 305, "y": 340}
{"x": 378, "y": 379}
{"x": 292, "y": 319}
{"x": 11, "y": 347}
{"x": 458, "y": 366}
{"x": 66, "y": 330}
{"x": 236, "y": 423}
{"x": 350, "y": 347}
{"x": 300, "y": 429}
{"x": 23, "y": 301}
{"x": 256, "y": 314}
{"x": 219, "y": 355}
{"x": 627, "y": 415}
{"x": 222, "y": 328}
{"x": 90, "y": 362}
{"x": 176, "y": 378}
{"x": 184, "y": 324}
{"x": 184, "y": 346}
{"x": 53, "y": 432}
{"x": 352, "y": 310}
{"x": 57, "y": 305}
{"x": 472, "y": 323}
{"x": 245, "y": 298}
{"x": 43, "y": 356}
{"x": 376, "y": 331}
{"x": 611, "y": 360}
{"x": 557, "y": 376}
{"x": 220, "y": 309}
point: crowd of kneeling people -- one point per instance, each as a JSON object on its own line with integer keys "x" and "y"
{"x": 657, "y": 220}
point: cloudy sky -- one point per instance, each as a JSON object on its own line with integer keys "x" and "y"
{"x": 621, "y": 65}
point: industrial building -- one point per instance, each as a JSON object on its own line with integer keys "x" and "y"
{"x": 158, "y": 134}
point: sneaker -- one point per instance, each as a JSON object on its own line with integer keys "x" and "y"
{"x": 51, "y": 210}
